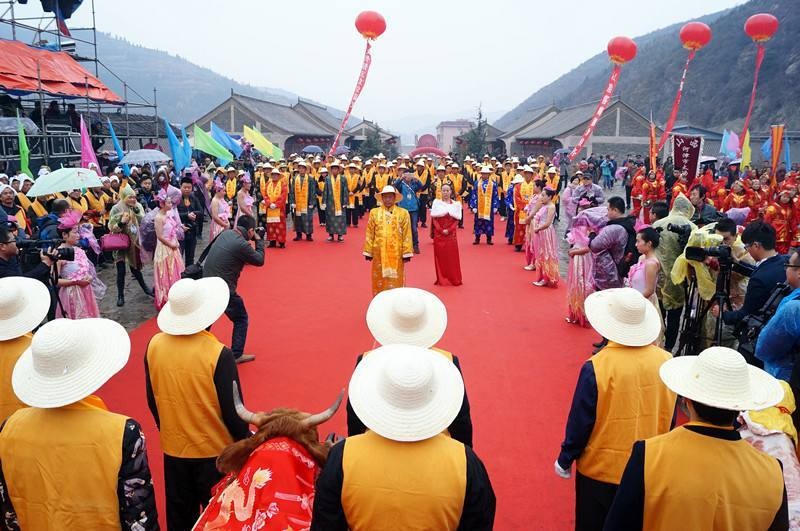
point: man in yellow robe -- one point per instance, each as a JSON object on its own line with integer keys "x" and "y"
{"x": 388, "y": 241}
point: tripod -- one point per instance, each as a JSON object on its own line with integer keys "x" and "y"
{"x": 696, "y": 309}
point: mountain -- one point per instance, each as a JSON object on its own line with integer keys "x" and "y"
{"x": 718, "y": 85}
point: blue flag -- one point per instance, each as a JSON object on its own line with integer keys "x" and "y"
{"x": 125, "y": 168}
{"x": 187, "y": 147}
{"x": 787, "y": 157}
{"x": 178, "y": 156}
{"x": 766, "y": 149}
{"x": 226, "y": 140}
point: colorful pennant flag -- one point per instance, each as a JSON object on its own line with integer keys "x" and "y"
{"x": 175, "y": 148}
{"x": 653, "y": 145}
{"x": 225, "y": 140}
{"x": 261, "y": 143}
{"x": 60, "y": 21}
{"x": 187, "y": 147}
{"x": 766, "y": 149}
{"x": 776, "y": 136}
{"x": 787, "y": 156}
{"x": 87, "y": 149}
{"x": 118, "y": 148}
{"x": 24, "y": 151}
{"x": 205, "y": 143}
{"x": 746, "y": 153}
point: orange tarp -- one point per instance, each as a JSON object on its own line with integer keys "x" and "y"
{"x": 61, "y": 75}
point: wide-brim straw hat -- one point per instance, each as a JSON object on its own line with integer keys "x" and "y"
{"x": 720, "y": 377}
{"x": 24, "y": 303}
{"x": 518, "y": 179}
{"x": 193, "y": 305}
{"x": 410, "y": 316}
{"x": 406, "y": 393}
{"x": 389, "y": 189}
{"x": 69, "y": 360}
{"x": 624, "y": 316}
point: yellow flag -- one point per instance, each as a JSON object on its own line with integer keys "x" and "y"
{"x": 261, "y": 143}
{"x": 746, "y": 153}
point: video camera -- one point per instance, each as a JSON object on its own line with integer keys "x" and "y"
{"x": 29, "y": 251}
{"x": 720, "y": 252}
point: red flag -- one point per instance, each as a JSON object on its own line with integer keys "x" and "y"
{"x": 777, "y": 146}
{"x": 653, "y": 145}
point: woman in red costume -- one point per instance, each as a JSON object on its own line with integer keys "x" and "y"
{"x": 782, "y": 216}
{"x": 445, "y": 215}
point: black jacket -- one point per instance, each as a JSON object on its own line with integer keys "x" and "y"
{"x": 184, "y": 210}
{"x": 229, "y": 253}
{"x": 762, "y": 282}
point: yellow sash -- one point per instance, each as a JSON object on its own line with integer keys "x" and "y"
{"x": 381, "y": 180}
{"x": 273, "y": 190}
{"x": 336, "y": 182}
{"x": 301, "y": 194}
{"x": 352, "y": 184}
{"x": 24, "y": 202}
{"x": 38, "y": 208}
{"x": 485, "y": 200}
{"x": 526, "y": 191}
{"x": 230, "y": 188}
{"x": 390, "y": 244}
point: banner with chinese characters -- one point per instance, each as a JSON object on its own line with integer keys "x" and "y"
{"x": 601, "y": 107}
{"x": 686, "y": 152}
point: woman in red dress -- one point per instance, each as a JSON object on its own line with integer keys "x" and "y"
{"x": 445, "y": 215}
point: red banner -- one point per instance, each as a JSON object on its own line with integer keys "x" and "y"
{"x": 759, "y": 59}
{"x": 653, "y": 147}
{"x": 362, "y": 78}
{"x": 776, "y": 139}
{"x": 686, "y": 152}
{"x": 601, "y": 107}
{"x": 673, "y": 115}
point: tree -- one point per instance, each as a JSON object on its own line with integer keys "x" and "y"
{"x": 373, "y": 144}
{"x": 474, "y": 140}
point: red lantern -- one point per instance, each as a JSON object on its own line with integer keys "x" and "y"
{"x": 695, "y": 35}
{"x": 761, "y": 27}
{"x": 370, "y": 24}
{"x": 621, "y": 50}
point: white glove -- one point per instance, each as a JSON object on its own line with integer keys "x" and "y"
{"x": 474, "y": 210}
{"x": 560, "y": 472}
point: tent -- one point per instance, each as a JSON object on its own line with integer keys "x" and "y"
{"x": 60, "y": 74}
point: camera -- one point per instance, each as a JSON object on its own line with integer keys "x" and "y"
{"x": 680, "y": 230}
{"x": 29, "y": 250}
{"x": 261, "y": 231}
{"x": 720, "y": 252}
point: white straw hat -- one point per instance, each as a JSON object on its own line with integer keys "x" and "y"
{"x": 23, "y": 305}
{"x": 193, "y": 305}
{"x": 410, "y": 316}
{"x": 624, "y": 316}
{"x": 518, "y": 179}
{"x": 69, "y": 360}
{"x": 389, "y": 189}
{"x": 720, "y": 377}
{"x": 406, "y": 393}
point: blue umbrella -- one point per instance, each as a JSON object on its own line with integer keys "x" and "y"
{"x": 312, "y": 149}
{"x": 342, "y": 150}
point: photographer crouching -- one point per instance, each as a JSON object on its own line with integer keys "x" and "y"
{"x": 227, "y": 255}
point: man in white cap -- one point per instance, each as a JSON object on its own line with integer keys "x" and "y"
{"x": 24, "y": 303}
{"x": 405, "y": 467}
{"x": 189, "y": 377}
{"x": 483, "y": 202}
{"x": 387, "y": 243}
{"x": 68, "y": 462}
{"x": 619, "y": 399}
{"x": 411, "y": 316}
{"x": 702, "y": 475}
{"x": 303, "y": 199}
{"x": 334, "y": 203}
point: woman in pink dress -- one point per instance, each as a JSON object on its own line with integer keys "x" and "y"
{"x": 220, "y": 211}
{"x": 643, "y": 275}
{"x": 244, "y": 200}
{"x": 580, "y": 276}
{"x": 78, "y": 285}
{"x": 445, "y": 215}
{"x": 545, "y": 242}
{"x": 167, "y": 260}
{"x": 533, "y": 206}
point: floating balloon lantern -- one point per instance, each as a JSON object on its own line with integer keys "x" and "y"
{"x": 760, "y": 28}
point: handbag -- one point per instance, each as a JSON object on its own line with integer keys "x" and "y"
{"x": 195, "y": 270}
{"x": 115, "y": 241}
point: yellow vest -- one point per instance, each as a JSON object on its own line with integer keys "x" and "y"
{"x": 694, "y": 481}
{"x": 10, "y": 351}
{"x": 62, "y": 466}
{"x": 400, "y": 485}
{"x": 632, "y": 404}
{"x": 182, "y": 375}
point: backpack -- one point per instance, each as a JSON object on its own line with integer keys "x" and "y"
{"x": 630, "y": 256}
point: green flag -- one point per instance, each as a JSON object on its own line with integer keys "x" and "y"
{"x": 24, "y": 152}
{"x": 206, "y": 144}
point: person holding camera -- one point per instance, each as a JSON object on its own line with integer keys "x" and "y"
{"x": 759, "y": 240}
{"x": 9, "y": 260}
{"x": 778, "y": 340}
{"x": 227, "y": 256}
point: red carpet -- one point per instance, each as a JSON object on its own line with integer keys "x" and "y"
{"x": 519, "y": 357}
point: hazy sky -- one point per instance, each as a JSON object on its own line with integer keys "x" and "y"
{"x": 437, "y": 57}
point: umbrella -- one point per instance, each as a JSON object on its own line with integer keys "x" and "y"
{"x": 342, "y": 150}
{"x": 312, "y": 149}
{"x": 143, "y": 156}
{"x": 705, "y": 159}
{"x": 64, "y": 180}
{"x": 562, "y": 151}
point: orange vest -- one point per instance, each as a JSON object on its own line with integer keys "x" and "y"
{"x": 694, "y": 481}
{"x": 10, "y": 351}
{"x": 35, "y": 446}
{"x": 182, "y": 376}
{"x": 403, "y": 485}
{"x": 632, "y": 404}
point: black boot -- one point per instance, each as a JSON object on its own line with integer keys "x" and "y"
{"x": 120, "y": 283}
{"x": 137, "y": 274}
{"x": 477, "y": 240}
{"x": 489, "y": 240}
